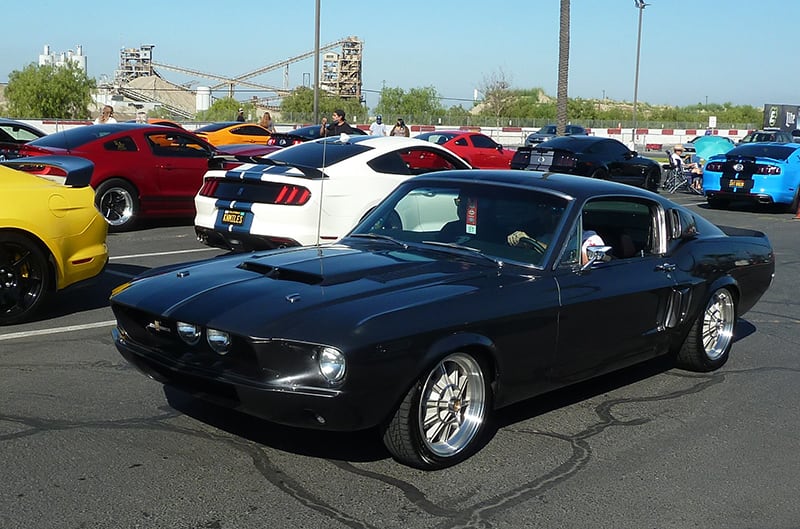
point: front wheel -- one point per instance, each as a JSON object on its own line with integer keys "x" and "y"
{"x": 653, "y": 180}
{"x": 118, "y": 202}
{"x": 709, "y": 341}
{"x": 440, "y": 421}
{"x": 25, "y": 279}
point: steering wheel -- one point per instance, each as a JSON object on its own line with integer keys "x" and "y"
{"x": 533, "y": 244}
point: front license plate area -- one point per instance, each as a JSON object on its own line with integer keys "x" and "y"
{"x": 233, "y": 217}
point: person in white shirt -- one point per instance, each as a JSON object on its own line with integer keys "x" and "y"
{"x": 378, "y": 127}
{"x": 106, "y": 116}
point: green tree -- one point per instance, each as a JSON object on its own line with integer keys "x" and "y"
{"x": 300, "y": 105}
{"x": 225, "y": 109}
{"x": 48, "y": 91}
{"x": 418, "y": 104}
{"x": 497, "y": 95}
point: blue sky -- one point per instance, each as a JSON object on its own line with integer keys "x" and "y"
{"x": 692, "y": 51}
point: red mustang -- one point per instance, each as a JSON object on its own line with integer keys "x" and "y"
{"x": 140, "y": 170}
{"x": 479, "y": 150}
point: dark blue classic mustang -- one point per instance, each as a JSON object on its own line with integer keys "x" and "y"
{"x": 463, "y": 292}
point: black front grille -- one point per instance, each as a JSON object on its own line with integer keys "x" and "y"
{"x": 158, "y": 335}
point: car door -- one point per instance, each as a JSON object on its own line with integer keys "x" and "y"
{"x": 613, "y": 313}
{"x": 487, "y": 153}
{"x": 180, "y": 162}
{"x": 250, "y": 134}
{"x": 623, "y": 164}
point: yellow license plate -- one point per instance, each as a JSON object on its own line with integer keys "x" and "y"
{"x": 233, "y": 217}
{"x": 737, "y": 183}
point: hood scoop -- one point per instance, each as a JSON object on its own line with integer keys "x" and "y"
{"x": 281, "y": 274}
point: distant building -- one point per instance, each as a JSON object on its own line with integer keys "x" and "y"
{"x": 60, "y": 59}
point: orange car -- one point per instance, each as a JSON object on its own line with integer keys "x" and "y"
{"x": 230, "y": 132}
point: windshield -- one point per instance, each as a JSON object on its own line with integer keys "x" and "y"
{"x": 436, "y": 137}
{"x": 73, "y": 138}
{"x": 317, "y": 153}
{"x": 498, "y": 222}
{"x": 548, "y": 129}
{"x": 216, "y": 126}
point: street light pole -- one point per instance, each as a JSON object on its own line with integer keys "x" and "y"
{"x": 640, "y": 5}
{"x": 316, "y": 63}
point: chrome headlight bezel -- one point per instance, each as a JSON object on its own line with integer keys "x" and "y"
{"x": 190, "y": 333}
{"x": 219, "y": 341}
{"x": 332, "y": 364}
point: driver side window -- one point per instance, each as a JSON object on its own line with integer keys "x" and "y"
{"x": 627, "y": 225}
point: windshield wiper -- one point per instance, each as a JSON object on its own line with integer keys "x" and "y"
{"x": 472, "y": 251}
{"x": 380, "y": 237}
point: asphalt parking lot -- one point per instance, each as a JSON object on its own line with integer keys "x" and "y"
{"x": 87, "y": 441}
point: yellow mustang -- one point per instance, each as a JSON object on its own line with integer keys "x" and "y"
{"x": 51, "y": 234}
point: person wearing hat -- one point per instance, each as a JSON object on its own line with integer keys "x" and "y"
{"x": 694, "y": 169}
{"x": 240, "y": 115}
{"x": 400, "y": 129}
{"x": 378, "y": 127}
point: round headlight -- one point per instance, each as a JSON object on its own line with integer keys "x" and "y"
{"x": 189, "y": 332}
{"x": 220, "y": 341}
{"x": 332, "y": 364}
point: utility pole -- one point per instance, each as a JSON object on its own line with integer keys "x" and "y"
{"x": 316, "y": 64}
{"x": 640, "y": 5}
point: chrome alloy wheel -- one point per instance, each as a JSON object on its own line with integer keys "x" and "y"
{"x": 718, "y": 321}
{"x": 116, "y": 205}
{"x": 452, "y": 405}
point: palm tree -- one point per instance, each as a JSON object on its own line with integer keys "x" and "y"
{"x": 563, "y": 69}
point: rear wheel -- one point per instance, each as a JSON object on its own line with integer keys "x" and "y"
{"x": 795, "y": 202}
{"x": 25, "y": 279}
{"x": 118, "y": 202}
{"x": 709, "y": 341}
{"x": 441, "y": 419}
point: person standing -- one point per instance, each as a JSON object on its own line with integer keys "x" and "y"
{"x": 266, "y": 122}
{"x": 400, "y": 129}
{"x": 240, "y": 115}
{"x": 378, "y": 127}
{"x": 338, "y": 126}
{"x": 106, "y": 116}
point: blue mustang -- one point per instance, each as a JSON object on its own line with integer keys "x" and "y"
{"x": 762, "y": 172}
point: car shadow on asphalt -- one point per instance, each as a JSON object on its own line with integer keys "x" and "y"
{"x": 749, "y": 207}
{"x": 366, "y": 446}
{"x": 88, "y": 296}
{"x": 361, "y": 446}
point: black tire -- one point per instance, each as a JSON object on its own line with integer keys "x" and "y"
{"x": 709, "y": 341}
{"x": 118, "y": 202}
{"x": 600, "y": 174}
{"x": 25, "y": 280}
{"x": 792, "y": 208}
{"x": 442, "y": 418}
{"x": 653, "y": 180}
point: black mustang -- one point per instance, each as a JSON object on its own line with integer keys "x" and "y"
{"x": 463, "y": 292}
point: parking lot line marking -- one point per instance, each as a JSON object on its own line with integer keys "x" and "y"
{"x": 56, "y": 330}
{"x": 154, "y": 254}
